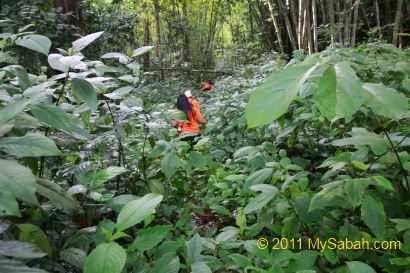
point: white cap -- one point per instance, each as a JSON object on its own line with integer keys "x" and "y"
{"x": 188, "y": 93}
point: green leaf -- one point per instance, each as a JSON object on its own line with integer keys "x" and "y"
{"x": 384, "y": 101}
{"x": 179, "y": 116}
{"x": 168, "y": 263}
{"x": 349, "y": 91}
{"x": 84, "y": 90}
{"x": 259, "y": 201}
{"x": 12, "y": 110}
{"x": 359, "y": 165}
{"x": 29, "y": 145}
{"x": 54, "y": 62}
{"x": 141, "y": 50}
{"x": 149, "y": 237}
{"x": 401, "y": 224}
{"x": 382, "y": 181}
{"x": 74, "y": 256}
{"x": 362, "y": 140}
{"x": 105, "y": 258}
{"x": 81, "y": 43}
{"x": 372, "y": 213}
{"x": 170, "y": 163}
{"x": 354, "y": 189}
{"x": 258, "y": 177}
{"x": 15, "y": 266}
{"x": 33, "y": 234}
{"x": 197, "y": 160}
{"x": 240, "y": 220}
{"x": 56, "y": 194}
{"x": 241, "y": 260}
{"x": 272, "y": 98}
{"x": 19, "y": 249}
{"x": 19, "y": 180}
{"x": 103, "y": 176}
{"x": 8, "y": 204}
{"x": 52, "y": 116}
{"x": 194, "y": 248}
{"x": 119, "y": 93}
{"x": 136, "y": 211}
{"x": 325, "y": 96}
{"x": 200, "y": 267}
{"x": 156, "y": 186}
{"x": 35, "y": 42}
{"x": 118, "y": 202}
{"x": 359, "y": 267}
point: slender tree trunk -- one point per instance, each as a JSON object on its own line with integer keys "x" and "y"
{"x": 323, "y": 11}
{"x": 339, "y": 32}
{"x": 347, "y": 19}
{"x": 294, "y": 15}
{"x": 251, "y": 34}
{"x": 284, "y": 12}
{"x": 308, "y": 27}
{"x": 147, "y": 38}
{"x": 300, "y": 20}
{"x": 158, "y": 30}
{"x": 365, "y": 18}
{"x": 397, "y": 18}
{"x": 314, "y": 26}
{"x": 355, "y": 14}
{"x": 377, "y": 16}
{"x": 276, "y": 25}
{"x": 185, "y": 47}
{"x": 331, "y": 21}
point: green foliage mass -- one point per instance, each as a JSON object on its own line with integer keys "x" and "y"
{"x": 92, "y": 178}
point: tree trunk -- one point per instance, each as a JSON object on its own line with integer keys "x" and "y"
{"x": 397, "y": 21}
{"x": 365, "y": 19}
{"x": 314, "y": 26}
{"x": 284, "y": 12}
{"x": 158, "y": 32}
{"x": 331, "y": 21}
{"x": 323, "y": 11}
{"x": 69, "y": 6}
{"x": 308, "y": 27}
{"x": 185, "y": 47}
{"x": 147, "y": 38}
{"x": 339, "y": 32}
{"x": 347, "y": 19}
{"x": 355, "y": 14}
{"x": 276, "y": 25}
{"x": 377, "y": 17}
{"x": 300, "y": 20}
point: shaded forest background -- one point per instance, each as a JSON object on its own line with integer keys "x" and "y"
{"x": 215, "y": 34}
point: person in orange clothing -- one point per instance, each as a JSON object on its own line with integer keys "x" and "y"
{"x": 208, "y": 85}
{"x": 194, "y": 117}
{"x": 191, "y": 100}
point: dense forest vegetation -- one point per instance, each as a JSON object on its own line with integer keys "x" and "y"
{"x": 307, "y": 136}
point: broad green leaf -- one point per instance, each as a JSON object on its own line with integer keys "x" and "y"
{"x": 359, "y": 267}
{"x": 103, "y": 176}
{"x": 200, "y": 267}
{"x": 325, "y": 96}
{"x": 384, "y": 101}
{"x": 197, "y": 160}
{"x": 8, "y": 204}
{"x": 359, "y": 165}
{"x": 170, "y": 163}
{"x": 29, "y": 145}
{"x": 56, "y": 194}
{"x": 324, "y": 197}
{"x": 256, "y": 178}
{"x": 81, "y": 43}
{"x": 354, "y": 189}
{"x": 168, "y": 263}
{"x": 179, "y": 116}
{"x": 12, "y": 110}
{"x": 35, "y": 42}
{"x": 19, "y": 249}
{"x": 401, "y": 224}
{"x": 241, "y": 260}
{"x": 372, "y": 213}
{"x": 362, "y": 140}
{"x": 141, "y": 50}
{"x": 15, "y": 266}
{"x": 105, "y": 258}
{"x": 235, "y": 177}
{"x": 259, "y": 201}
{"x": 119, "y": 93}
{"x": 272, "y": 98}
{"x": 118, "y": 202}
{"x": 136, "y": 211}
{"x": 349, "y": 91}
{"x": 73, "y": 62}
{"x": 382, "y": 181}
{"x": 52, "y": 116}
{"x": 194, "y": 248}
{"x": 19, "y": 180}
{"x": 156, "y": 186}
{"x": 240, "y": 220}
{"x": 84, "y": 90}
{"x": 54, "y": 62}
{"x": 30, "y": 233}
{"x": 149, "y": 237}
{"x": 74, "y": 256}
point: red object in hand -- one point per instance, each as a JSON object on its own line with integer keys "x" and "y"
{"x": 208, "y": 86}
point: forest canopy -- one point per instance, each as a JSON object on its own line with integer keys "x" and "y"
{"x": 267, "y": 136}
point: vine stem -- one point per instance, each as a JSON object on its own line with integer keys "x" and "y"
{"x": 394, "y": 149}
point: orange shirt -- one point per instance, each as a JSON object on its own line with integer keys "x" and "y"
{"x": 191, "y": 126}
{"x": 208, "y": 86}
{"x": 194, "y": 102}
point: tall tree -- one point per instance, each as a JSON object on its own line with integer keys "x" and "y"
{"x": 397, "y": 21}
{"x": 158, "y": 31}
{"x": 284, "y": 12}
{"x": 276, "y": 25}
{"x": 354, "y": 24}
{"x": 147, "y": 36}
{"x": 314, "y": 26}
